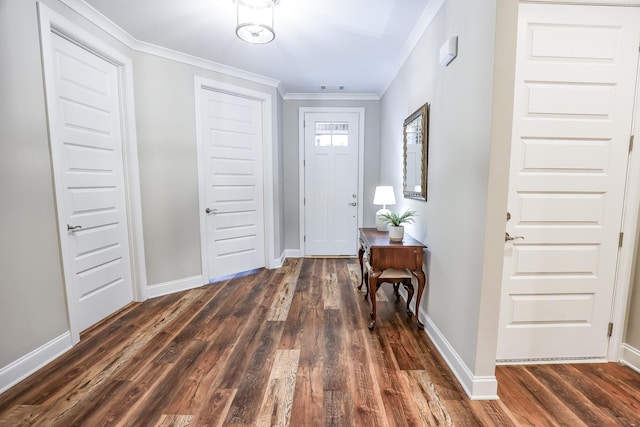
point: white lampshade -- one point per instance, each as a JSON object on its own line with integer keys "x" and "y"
{"x": 383, "y": 196}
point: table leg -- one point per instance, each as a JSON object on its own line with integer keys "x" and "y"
{"x": 420, "y": 275}
{"x": 409, "y": 287}
{"x": 360, "y": 255}
{"x": 373, "y": 286}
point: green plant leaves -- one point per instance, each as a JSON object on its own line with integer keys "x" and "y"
{"x": 394, "y": 219}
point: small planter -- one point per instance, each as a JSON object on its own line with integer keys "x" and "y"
{"x": 396, "y": 233}
{"x": 395, "y": 221}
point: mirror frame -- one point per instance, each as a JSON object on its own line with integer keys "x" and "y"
{"x": 422, "y": 114}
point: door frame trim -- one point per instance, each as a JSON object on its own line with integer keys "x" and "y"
{"x": 626, "y": 254}
{"x": 302, "y": 111}
{"x": 266, "y": 102}
{"x": 53, "y": 23}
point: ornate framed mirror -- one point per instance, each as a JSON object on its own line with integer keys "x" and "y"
{"x": 416, "y": 150}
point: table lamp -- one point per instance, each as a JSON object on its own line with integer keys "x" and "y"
{"x": 383, "y": 196}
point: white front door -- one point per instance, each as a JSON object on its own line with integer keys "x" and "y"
{"x": 331, "y": 183}
{"x": 573, "y": 105}
{"x": 86, "y": 138}
{"x": 233, "y": 179}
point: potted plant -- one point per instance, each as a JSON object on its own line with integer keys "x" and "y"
{"x": 395, "y": 221}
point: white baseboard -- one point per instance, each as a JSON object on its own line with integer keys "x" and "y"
{"x": 185, "y": 284}
{"x": 277, "y": 263}
{"x": 631, "y": 357}
{"x": 175, "y": 286}
{"x": 292, "y": 253}
{"x": 476, "y": 387}
{"x": 20, "y": 369}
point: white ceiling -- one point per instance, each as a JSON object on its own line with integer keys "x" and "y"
{"x": 359, "y": 44}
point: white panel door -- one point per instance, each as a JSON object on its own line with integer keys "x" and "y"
{"x": 88, "y": 153}
{"x": 575, "y": 84}
{"x": 232, "y": 138}
{"x": 331, "y": 183}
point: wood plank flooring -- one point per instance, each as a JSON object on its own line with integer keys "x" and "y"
{"x": 290, "y": 347}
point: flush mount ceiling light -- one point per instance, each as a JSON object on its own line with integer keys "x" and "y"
{"x": 255, "y": 20}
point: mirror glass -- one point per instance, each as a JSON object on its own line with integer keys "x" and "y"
{"x": 416, "y": 147}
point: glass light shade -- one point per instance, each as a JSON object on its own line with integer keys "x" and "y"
{"x": 255, "y": 20}
{"x": 384, "y": 195}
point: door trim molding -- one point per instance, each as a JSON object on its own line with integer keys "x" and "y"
{"x": 266, "y": 101}
{"x": 301, "y": 157}
{"x": 626, "y": 254}
{"x": 53, "y": 23}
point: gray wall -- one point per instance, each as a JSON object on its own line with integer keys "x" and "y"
{"x": 165, "y": 120}
{"x": 452, "y": 221}
{"x": 291, "y": 146}
{"x": 32, "y": 302}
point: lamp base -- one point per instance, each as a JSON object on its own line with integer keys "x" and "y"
{"x": 380, "y": 224}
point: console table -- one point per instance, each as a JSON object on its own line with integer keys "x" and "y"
{"x": 383, "y": 255}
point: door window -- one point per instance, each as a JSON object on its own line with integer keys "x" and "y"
{"x": 332, "y": 134}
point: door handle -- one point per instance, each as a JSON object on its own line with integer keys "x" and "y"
{"x": 73, "y": 227}
{"x": 352, "y": 204}
{"x": 211, "y": 211}
{"x": 507, "y": 237}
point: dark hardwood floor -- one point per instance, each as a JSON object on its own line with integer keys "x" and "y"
{"x": 291, "y": 347}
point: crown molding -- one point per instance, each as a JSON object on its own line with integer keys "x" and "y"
{"x": 414, "y": 37}
{"x": 174, "y": 55}
{"x": 331, "y": 97}
{"x": 111, "y": 28}
{"x": 101, "y": 21}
